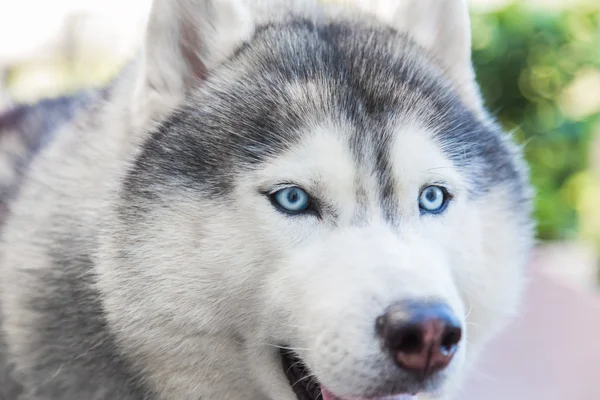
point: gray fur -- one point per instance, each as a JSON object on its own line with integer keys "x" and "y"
{"x": 24, "y": 129}
{"x": 110, "y": 288}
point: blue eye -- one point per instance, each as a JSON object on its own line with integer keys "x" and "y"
{"x": 292, "y": 200}
{"x": 433, "y": 199}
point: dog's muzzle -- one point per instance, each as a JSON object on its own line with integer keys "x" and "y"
{"x": 421, "y": 338}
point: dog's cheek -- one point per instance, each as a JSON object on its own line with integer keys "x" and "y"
{"x": 489, "y": 258}
{"x": 263, "y": 243}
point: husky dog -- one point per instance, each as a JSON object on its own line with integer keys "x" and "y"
{"x": 277, "y": 200}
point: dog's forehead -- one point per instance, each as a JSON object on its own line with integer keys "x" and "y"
{"x": 334, "y": 151}
{"x": 371, "y": 83}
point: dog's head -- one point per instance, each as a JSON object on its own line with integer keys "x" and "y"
{"x": 325, "y": 188}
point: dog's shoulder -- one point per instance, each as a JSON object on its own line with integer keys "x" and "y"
{"x": 24, "y": 130}
{"x": 31, "y": 124}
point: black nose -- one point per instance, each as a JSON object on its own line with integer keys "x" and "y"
{"x": 421, "y": 337}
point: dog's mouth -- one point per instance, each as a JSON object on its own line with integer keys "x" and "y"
{"x": 303, "y": 384}
{"x": 306, "y": 386}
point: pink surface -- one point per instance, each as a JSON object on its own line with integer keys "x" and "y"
{"x": 551, "y": 352}
{"x": 330, "y": 396}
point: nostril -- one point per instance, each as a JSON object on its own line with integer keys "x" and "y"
{"x": 410, "y": 341}
{"x": 451, "y": 338}
{"x": 400, "y": 337}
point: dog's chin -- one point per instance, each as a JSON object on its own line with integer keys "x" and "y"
{"x": 307, "y": 387}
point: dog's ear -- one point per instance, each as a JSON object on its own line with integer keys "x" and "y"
{"x": 443, "y": 28}
{"x": 185, "y": 40}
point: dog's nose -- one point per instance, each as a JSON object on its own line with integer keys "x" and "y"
{"x": 421, "y": 337}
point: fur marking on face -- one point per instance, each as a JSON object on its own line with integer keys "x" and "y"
{"x": 276, "y": 200}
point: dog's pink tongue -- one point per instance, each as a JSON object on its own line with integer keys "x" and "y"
{"x": 327, "y": 395}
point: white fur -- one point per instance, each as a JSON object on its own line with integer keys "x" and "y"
{"x": 201, "y": 303}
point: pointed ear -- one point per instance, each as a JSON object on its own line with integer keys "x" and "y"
{"x": 443, "y": 28}
{"x": 185, "y": 40}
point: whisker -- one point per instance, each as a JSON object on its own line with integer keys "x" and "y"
{"x": 294, "y": 349}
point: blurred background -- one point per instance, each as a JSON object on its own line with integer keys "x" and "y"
{"x": 538, "y": 64}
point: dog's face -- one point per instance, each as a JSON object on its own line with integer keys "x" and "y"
{"x": 330, "y": 199}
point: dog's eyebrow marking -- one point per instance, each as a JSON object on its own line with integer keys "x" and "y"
{"x": 362, "y": 204}
{"x": 387, "y": 184}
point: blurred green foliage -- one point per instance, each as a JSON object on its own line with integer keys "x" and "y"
{"x": 537, "y": 70}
